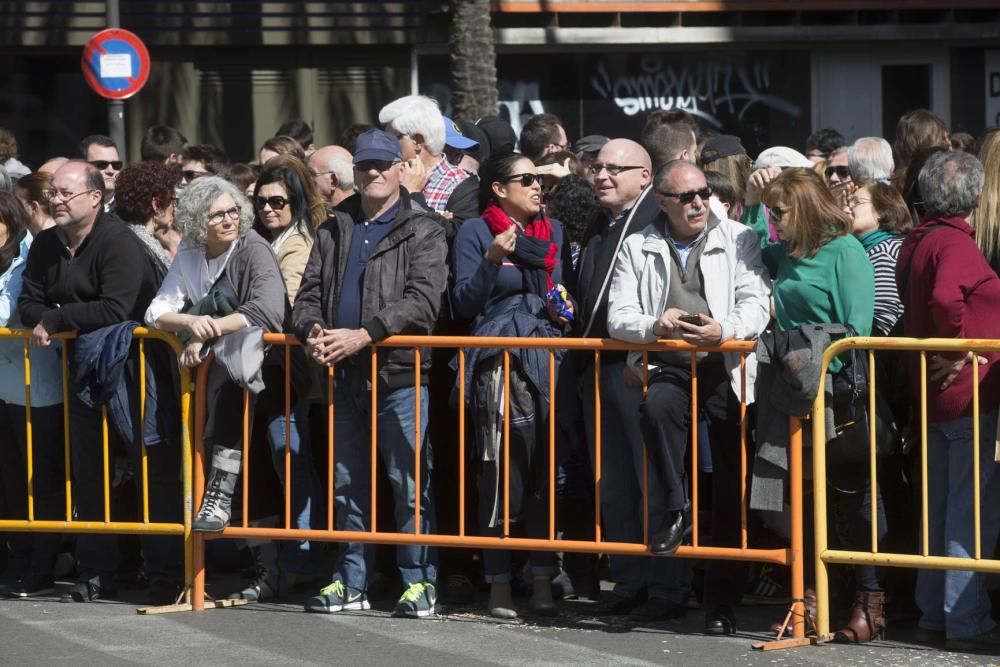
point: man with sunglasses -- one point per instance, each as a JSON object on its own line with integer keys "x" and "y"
{"x": 100, "y": 151}
{"x": 692, "y": 276}
{"x": 838, "y": 174}
{"x": 377, "y": 268}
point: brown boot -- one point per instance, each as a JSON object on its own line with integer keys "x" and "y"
{"x": 867, "y": 620}
{"x": 809, "y": 602}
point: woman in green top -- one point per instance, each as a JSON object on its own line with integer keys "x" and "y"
{"x": 823, "y": 276}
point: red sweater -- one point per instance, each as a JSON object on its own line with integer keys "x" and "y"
{"x": 950, "y": 292}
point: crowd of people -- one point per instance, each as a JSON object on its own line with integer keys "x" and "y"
{"x": 427, "y": 225}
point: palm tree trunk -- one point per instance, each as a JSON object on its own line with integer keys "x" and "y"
{"x": 473, "y": 60}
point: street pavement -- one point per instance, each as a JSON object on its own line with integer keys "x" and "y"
{"x": 46, "y": 632}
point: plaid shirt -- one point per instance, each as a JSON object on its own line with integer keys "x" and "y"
{"x": 444, "y": 178}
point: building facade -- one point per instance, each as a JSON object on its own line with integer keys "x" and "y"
{"x": 770, "y": 71}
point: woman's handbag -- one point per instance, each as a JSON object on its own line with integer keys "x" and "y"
{"x": 852, "y": 421}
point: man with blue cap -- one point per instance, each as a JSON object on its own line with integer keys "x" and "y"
{"x": 377, "y": 268}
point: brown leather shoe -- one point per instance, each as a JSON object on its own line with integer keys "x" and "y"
{"x": 867, "y": 620}
{"x": 809, "y": 601}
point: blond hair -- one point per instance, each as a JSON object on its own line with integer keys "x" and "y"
{"x": 986, "y": 218}
{"x": 812, "y": 213}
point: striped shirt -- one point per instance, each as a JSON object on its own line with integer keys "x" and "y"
{"x": 888, "y": 307}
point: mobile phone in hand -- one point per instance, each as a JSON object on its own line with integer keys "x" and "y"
{"x": 691, "y": 319}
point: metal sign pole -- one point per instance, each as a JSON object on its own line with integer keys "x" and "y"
{"x": 116, "y": 108}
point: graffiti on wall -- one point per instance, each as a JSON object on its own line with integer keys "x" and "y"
{"x": 704, "y": 90}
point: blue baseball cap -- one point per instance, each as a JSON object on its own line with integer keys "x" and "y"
{"x": 377, "y": 145}
{"x": 454, "y": 138}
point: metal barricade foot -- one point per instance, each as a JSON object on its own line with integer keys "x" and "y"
{"x": 210, "y": 603}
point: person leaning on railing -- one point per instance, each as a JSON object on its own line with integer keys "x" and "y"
{"x": 950, "y": 291}
{"x": 505, "y": 265}
{"x": 223, "y": 281}
{"x": 377, "y": 269}
{"x": 693, "y": 277}
{"x": 89, "y": 274}
{"x": 823, "y": 276}
{"x": 32, "y": 555}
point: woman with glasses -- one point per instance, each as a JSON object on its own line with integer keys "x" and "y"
{"x": 505, "y": 265}
{"x": 287, "y": 210}
{"x": 823, "y": 276}
{"x": 223, "y": 280}
{"x": 145, "y": 201}
{"x": 32, "y": 557}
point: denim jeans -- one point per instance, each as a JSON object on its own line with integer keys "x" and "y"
{"x": 955, "y": 600}
{"x": 621, "y": 487}
{"x": 33, "y": 553}
{"x": 306, "y": 492}
{"x": 396, "y": 441}
{"x": 97, "y": 555}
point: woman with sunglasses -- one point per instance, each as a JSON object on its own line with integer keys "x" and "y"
{"x": 223, "y": 280}
{"x": 288, "y": 209}
{"x": 505, "y": 265}
{"x": 823, "y": 276}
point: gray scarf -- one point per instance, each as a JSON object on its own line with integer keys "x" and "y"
{"x": 152, "y": 245}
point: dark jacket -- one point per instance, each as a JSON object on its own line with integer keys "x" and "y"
{"x": 948, "y": 290}
{"x": 597, "y": 262}
{"x": 403, "y": 283}
{"x": 108, "y": 280}
{"x": 253, "y": 273}
{"x": 464, "y": 202}
{"x": 106, "y": 371}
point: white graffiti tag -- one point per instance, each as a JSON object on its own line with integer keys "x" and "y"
{"x": 702, "y": 90}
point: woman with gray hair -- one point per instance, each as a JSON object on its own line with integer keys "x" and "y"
{"x": 224, "y": 280}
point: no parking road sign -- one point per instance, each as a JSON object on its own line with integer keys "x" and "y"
{"x": 115, "y": 64}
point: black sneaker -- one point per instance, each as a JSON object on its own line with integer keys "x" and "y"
{"x": 655, "y": 610}
{"x": 87, "y": 591}
{"x": 32, "y": 586}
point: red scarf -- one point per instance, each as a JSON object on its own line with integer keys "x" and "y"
{"x": 540, "y": 253}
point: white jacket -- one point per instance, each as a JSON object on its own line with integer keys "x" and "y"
{"x": 737, "y": 289}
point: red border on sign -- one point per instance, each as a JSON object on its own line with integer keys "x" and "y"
{"x": 95, "y": 43}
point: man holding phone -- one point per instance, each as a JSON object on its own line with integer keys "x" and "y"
{"x": 692, "y": 276}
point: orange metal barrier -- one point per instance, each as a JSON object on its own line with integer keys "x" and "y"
{"x": 791, "y": 556}
{"x": 71, "y": 525}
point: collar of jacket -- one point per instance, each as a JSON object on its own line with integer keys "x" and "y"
{"x": 657, "y": 242}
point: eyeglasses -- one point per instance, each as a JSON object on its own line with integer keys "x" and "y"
{"x": 854, "y": 203}
{"x": 233, "y": 214}
{"x": 526, "y": 180}
{"x": 66, "y": 197}
{"x": 380, "y": 166}
{"x": 190, "y": 175}
{"x": 276, "y": 202}
{"x": 613, "y": 169}
{"x": 104, "y": 164}
{"x": 775, "y": 213}
{"x": 843, "y": 173}
{"x": 688, "y": 197}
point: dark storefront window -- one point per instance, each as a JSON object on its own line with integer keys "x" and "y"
{"x": 904, "y": 87}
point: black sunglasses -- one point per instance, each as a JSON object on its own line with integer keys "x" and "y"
{"x": 842, "y": 172}
{"x": 776, "y": 213}
{"x": 191, "y": 175}
{"x": 688, "y": 197}
{"x": 526, "y": 180}
{"x": 104, "y": 164}
{"x": 276, "y": 202}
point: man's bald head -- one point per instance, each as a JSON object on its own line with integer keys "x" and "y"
{"x": 52, "y": 165}
{"x": 617, "y": 191}
{"x": 334, "y": 173}
{"x": 78, "y": 198}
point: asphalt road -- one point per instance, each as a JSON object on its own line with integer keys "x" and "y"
{"x": 46, "y": 632}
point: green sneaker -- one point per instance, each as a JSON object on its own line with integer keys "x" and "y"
{"x": 418, "y": 600}
{"x": 337, "y": 597}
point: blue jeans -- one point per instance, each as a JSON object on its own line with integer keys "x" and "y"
{"x": 306, "y": 492}
{"x": 396, "y": 422}
{"x": 955, "y": 600}
{"x": 621, "y": 490}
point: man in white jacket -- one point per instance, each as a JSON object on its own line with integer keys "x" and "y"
{"x": 692, "y": 276}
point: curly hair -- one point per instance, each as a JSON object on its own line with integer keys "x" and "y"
{"x": 574, "y": 204}
{"x": 138, "y": 185}
{"x": 191, "y": 217}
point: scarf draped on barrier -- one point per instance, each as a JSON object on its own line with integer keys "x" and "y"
{"x": 534, "y": 249}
